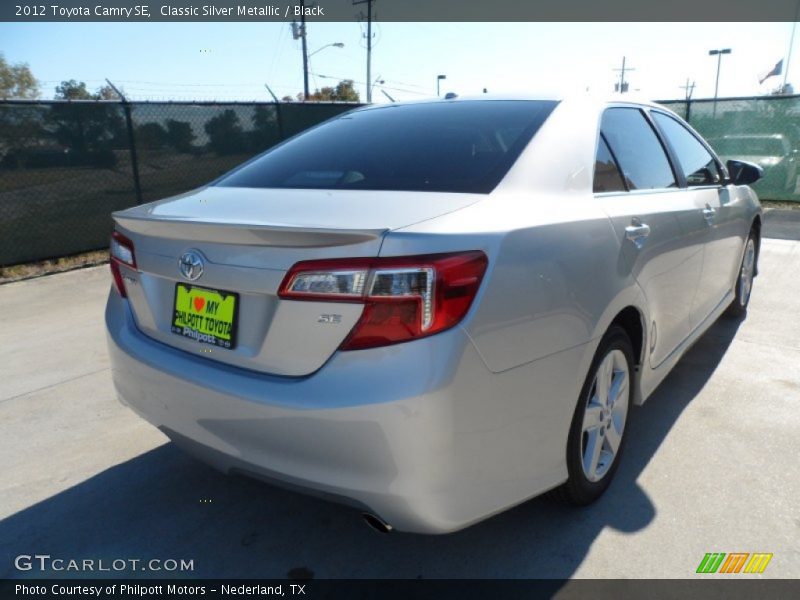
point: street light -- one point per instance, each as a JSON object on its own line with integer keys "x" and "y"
{"x": 376, "y": 82}
{"x": 305, "y": 61}
{"x": 438, "y": 79}
{"x": 334, "y": 44}
{"x": 718, "y": 53}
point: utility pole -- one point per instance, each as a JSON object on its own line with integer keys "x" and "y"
{"x": 622, "y": 86}
{"x": 689, "y": 90}
{"x": 718, "y": 53}
{"x": 303, "y": 31}
{"x": 369, "y": 45}
{"x": 299, "y": 31}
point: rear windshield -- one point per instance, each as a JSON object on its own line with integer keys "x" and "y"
{"x": 465, "y": 146}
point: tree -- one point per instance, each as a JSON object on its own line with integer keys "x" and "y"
{"x": 106, "y": 92}
{"x": 17, "y": 81}
{"x": 225, "y": 135}
{"x": 180, "y": 135}
{"x": 152, "y": 136}
{"x": 73, "y": 90}
{"x": 266, "y": 130}
{"x": 22, "y": 131}
{"x": 88, "y": 132}
{"x": 76, "y": 90}
{"x": 343, "y": 92}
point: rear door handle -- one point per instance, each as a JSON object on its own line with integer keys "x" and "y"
{"x": 709, "y": 214}
{"x": 637, "y": 232}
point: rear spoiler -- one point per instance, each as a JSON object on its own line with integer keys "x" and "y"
{"x": 262, "y": 234}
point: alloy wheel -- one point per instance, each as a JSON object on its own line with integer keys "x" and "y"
{"x": 747, "y": 272}
{"x": 605, "y": 415}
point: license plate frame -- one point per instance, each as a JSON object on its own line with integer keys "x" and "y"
{"x": 215, "y": 335}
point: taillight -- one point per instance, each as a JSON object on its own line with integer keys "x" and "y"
{"x": 120, "y": 253}
{"x": 404, "y": 298}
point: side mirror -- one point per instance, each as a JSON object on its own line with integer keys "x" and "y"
{"x": 743, "y": 172}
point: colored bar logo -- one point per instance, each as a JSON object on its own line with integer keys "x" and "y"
{"x": 735, "y": 562}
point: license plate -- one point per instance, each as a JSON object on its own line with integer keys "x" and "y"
{"x": 205, "y": 315}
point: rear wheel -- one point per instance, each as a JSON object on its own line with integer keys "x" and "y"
{"x": 744, "y": 283}
{"x": 597, "y": 433}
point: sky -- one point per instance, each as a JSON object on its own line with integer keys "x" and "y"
{"x": 233, "y": 61}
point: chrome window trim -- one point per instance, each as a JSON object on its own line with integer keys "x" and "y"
{"x": 639, "y": 192}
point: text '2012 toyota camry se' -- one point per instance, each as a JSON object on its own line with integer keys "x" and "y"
{"x": 432, "y": 311}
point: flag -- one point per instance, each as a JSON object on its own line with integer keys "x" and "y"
{"x": 776, "y": 70}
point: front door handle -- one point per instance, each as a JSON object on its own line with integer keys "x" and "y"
{"x": 709, "y": 214}
{"x": 637, "y": 232}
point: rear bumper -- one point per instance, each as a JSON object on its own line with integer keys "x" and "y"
{"x": 422, "y": 434}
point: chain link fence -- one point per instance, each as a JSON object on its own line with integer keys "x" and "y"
{"x": 65, "y": 166}
{"x": 764, "y": 130}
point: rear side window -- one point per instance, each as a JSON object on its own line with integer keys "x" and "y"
{"x": 607, "y": 177}
{"x": 463, "y": 146}
{"x": 637, "y": 149}
{"x": 697, "y": 164}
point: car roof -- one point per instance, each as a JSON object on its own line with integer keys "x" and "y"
{"x": 539, "y": 96}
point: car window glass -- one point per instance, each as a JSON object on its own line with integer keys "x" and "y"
{"x": 607, "y": 177}
{"x": 638, "y": 151}
{"x": 697, "y": 164}
{"x": 465, "y": 146}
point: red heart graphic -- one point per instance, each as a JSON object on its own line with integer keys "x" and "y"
{"x": 199, "y": 303}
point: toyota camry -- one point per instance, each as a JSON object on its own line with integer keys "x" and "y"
{"x": 432, "y": 311}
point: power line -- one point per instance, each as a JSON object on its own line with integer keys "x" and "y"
{"x": 282, "y": 36}
{"x": 397, "y": 89}
{"x": 416, "y": 85}
{"x": 174, "y": 84}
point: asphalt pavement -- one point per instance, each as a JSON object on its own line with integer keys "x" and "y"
{"x": 781, "y": 223}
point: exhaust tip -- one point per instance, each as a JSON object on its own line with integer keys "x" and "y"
{"x": 376, "y": 523}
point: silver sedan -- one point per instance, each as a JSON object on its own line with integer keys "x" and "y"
{"x": 432, "y": 311}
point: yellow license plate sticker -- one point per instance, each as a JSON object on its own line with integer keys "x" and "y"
{"x": 207, "y": 316}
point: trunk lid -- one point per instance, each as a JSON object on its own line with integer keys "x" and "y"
{"x": 247, "y": 239}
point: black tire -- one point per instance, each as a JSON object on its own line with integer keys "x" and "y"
{"x": 579, "y": 490}
{"x": 738, "y": 308}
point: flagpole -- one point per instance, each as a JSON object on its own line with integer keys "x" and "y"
{"x": 791, "y": 44}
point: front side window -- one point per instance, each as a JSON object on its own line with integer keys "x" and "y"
{"x": 697, "y": 164}
{"x": 464, "y": 146}
{"x": 637, "y": 149}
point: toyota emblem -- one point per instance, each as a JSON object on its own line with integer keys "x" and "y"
{"x": 191, "y": 265}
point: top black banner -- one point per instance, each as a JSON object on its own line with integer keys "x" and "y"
{"x": 399, "y": 10}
